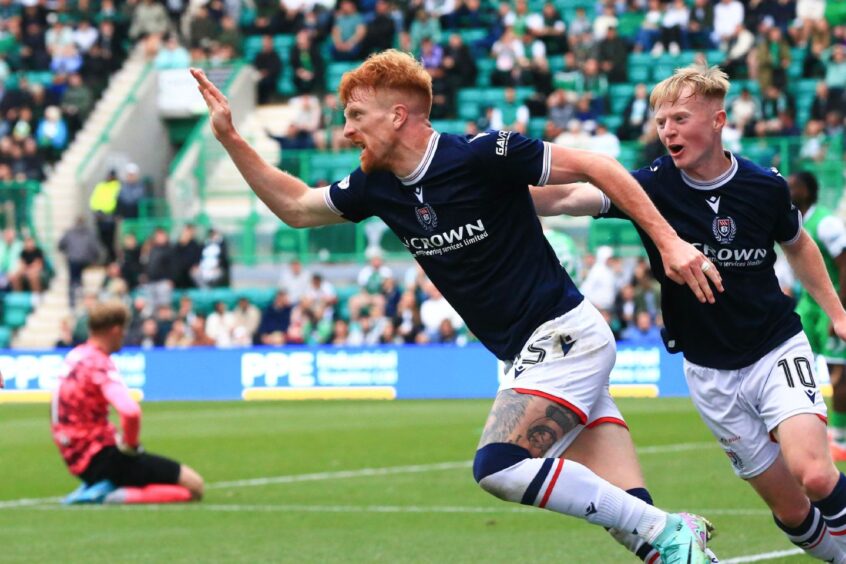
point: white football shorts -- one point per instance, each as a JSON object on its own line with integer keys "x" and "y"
{"x": 568, "y": 360}
{"x": 742, "y": 407}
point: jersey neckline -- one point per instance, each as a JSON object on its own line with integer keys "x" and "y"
{"x": 714, "y": 183}
{"x": 420, "y": 171}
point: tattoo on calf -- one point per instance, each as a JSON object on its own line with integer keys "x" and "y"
{"x": 508, "y": 417}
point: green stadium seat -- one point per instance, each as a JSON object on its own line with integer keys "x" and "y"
{"x": 628, "y": 23}
{"x": 335, "y": 71}
{"x": 456, "y": 126}
{"x": 618, "y": 233}
{"x": 620, "y": 94}
{"x": 16, "y": 308}
{"x": 484, "y": 67}
{"x": 630, "y": 154}
{"x": 5, "y": 337}
{"x": 536, "y": 127}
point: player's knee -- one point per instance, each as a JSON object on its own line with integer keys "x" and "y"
{"x": 488, "y": 466}
{"x": 818, "y": 479}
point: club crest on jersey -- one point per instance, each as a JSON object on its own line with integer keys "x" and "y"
{"x": 724, "y": 229}
{"x": 426, "y": 217}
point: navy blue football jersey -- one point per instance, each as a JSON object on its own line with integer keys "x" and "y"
{"x": 735, "y": 221}
{"x": 467, "y": 216}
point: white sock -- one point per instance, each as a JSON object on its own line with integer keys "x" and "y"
{"x": 813, "y": 537}
{"x": 567, "y": 487}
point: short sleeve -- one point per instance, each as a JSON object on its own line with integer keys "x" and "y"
{"x": 347, "y": 197}
{"x": 515, "y": 157}
{"x": 788, "y": 224}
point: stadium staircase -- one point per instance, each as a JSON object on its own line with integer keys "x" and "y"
{"x": 59, "y": 203}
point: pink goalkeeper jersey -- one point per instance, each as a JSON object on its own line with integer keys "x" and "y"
{"x": 80, "y": 408}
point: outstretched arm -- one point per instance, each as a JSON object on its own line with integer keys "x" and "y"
{"x": 287, "y": 196}
{"x": 806, "y": 261}
{"x": 683, "y": 264}
{"x": 568, "y": 199}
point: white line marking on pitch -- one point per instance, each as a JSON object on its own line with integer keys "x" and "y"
{"x": 361, "y": 473}
{"x": 762, "y": 556}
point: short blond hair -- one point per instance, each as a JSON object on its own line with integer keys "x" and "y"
{"x": 102, "y": 316}
{"x": 389, "y": 70}
{"x": 711, "y": 83}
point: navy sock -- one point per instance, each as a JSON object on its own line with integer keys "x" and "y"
{"x": 833, "y": 507}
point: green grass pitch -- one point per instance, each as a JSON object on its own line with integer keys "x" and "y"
{"x": 287, "y": 482}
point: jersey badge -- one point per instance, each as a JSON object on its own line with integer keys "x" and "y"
{"x": 724, "y": 229}
{"x": 426, "y": 217}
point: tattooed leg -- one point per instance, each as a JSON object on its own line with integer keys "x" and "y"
{"x": 531, "y": 422}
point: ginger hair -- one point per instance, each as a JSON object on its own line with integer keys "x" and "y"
{"x": 389, "y": 70}
{"x": 707, "y": 82}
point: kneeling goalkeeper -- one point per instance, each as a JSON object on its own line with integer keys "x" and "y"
{"x": 113, "y": 468}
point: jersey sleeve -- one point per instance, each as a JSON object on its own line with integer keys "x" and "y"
{"x": 348, "y": 197}
{"x": 610, "y": 210}
{"x": 512, "y": 156}
{"x": 788, "y": 225}
{"x": 832, "y": 234}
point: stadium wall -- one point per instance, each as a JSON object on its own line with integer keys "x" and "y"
{"x": 304, "y": 372}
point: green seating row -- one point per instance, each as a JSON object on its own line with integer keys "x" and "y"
{"x": 16, "y": 307}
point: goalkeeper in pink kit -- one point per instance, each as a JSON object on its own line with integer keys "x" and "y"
{"x": 113, "y": 467}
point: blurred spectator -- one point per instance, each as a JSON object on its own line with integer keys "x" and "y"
{"x": 295, "y": 280}
{"x": 172, "y": 55}
{"x": 77, "y": 103}
{"x": 321, "y": 294}
{"x": 52, "y": 133}
{"x": 340, "y": 333}
{"x": 213, "y": 271}
{"x": 230, "y": 36}
{"x": 605, "y": 142}
{"x": 424, "y": 25}
{"x": 737, "y": 49}
{"x": 370, "y": 280}
{"x": 644, "y": 333}
{"x": 823, "y": 102}
{"x": 605, "y": 20}
{"x": 459, "y": 64}
{"x": 814, "y": 144}
{"x": 103, "y": 203}
{"x": 30, "y": 268}
{"x": 636, "y": 114}
{"x": 245, "y": 322}
{"x": 380, "y": 29}
{"x": 158, "y": 261}
{"x": 435, "y": 310}
{"x": 275, "y": 320}
{"x": 85, "y": 35}
{"x": 348, "y": 32}
{"x": 219, "y": 325}
{"x": 79, "y": 244}
{"x": 66, "y": 60}
{"x": 599, "y": 285}
{"x": 613, "y": 53}
{"x": 130, "y": 263}
{"x": 308, "y": 66}
{"x": 202, "y": 28}
{"x": 10, "y": 252}
{"x": 650, "y": 29}
{"x": 674, "y": 23}
{"x": 114, "y": 286}
{"x": 508, "y": 51}
{"x": 178, "y": 337}
{"x": 269, "y": 66}
{"x": 745, "y": 111}
{"x": 770, "y": 59}
{"x": 149, "y": 22}
{"x": 700, "y": 25}
{"x": 132, "y": 191}
{"x": 510, "y": 115}
{"x": 551, "y": 29}
{"x": 187, "y": 253}
{"x": 728, "y": 20}
{"x": 199, "y": 337}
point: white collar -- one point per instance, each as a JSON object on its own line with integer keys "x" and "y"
{"x": 714, "y": 183}
{"x": 420, "y": 171}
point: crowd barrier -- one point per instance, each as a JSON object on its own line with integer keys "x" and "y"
{"x": 306, "y": 372}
